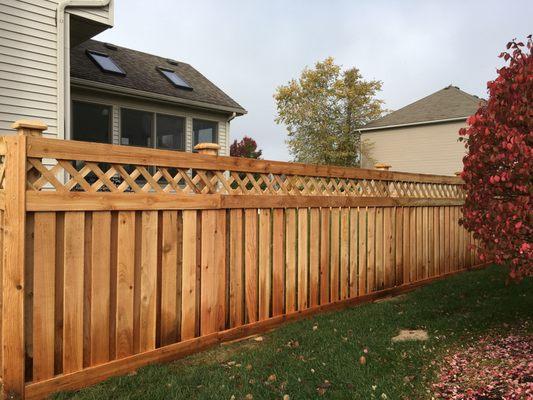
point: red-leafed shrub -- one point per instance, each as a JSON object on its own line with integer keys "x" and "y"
{"x": 246, "y": 147}
{"x": 498, "y": 166}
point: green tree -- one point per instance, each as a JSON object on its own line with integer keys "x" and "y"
{"x": 323, "y": 110}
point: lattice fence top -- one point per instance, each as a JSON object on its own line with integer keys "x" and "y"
{"x": 84, "y": 176}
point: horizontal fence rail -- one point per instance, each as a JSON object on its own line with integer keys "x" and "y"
{"x": 134, "y": 255}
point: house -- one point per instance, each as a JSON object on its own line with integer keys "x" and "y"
{"x": 51, "y": 70}
{"x": 422, "y": 137}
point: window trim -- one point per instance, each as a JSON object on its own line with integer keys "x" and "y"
{"x": 111, "y": 117}
{"x": 99, "y": 53}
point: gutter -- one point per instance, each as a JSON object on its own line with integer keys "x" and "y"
{"x": 63, "y": 61}
{"x": 141, "y": 94}
{"x": 362, "y": 130}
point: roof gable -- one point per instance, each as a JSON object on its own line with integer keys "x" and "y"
{"x": 142, "y": 74}
{"x": 448, "y": 103}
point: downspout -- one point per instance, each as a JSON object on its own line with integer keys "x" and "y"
{"x": 232, "y": 116}
{"x": 63, "y": 60}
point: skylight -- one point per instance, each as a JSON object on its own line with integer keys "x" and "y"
{"x": 106, "y": 63}
{"x": 174, "y": 78}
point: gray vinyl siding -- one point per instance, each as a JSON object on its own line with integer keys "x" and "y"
{"x": 28, "y": 60}
{"x": 28, "y": 63}
{"x": 118, "y": 102}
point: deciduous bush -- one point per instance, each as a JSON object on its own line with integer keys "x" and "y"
{"x": 497, "y": 168}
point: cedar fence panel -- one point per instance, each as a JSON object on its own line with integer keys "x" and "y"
{"x": 115, "y": 257}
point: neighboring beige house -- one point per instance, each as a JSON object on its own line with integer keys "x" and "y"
{"x": 51, "y": 70}
{"x": 422, "y": 137}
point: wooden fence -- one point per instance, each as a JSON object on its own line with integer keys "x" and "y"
{"x": 115, "y": 257}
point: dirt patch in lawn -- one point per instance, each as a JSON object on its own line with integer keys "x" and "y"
{"x": 407, "y": 335}
{"x": 495, "y": 367}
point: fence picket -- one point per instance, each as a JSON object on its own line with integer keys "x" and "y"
{"x": 44, "y": 296}
{"x": 324, "y": 255}
{"x": 335, "y": 261}
{"x": 250, "y": 264}
{"x": 125, "y": 283}
{"x": 189, "y": 289}
{"x": 265, "y": 272}
{"x": 314, "y": 256}
{"x": 100, "y": 291}
{"x": 290, "y": 257}
{"x": 303, "y": 258}
{"x": 362, "y": 262}
{"x": 73, "y": 292}
{"x": 344, "y": 252}
{"x": 278, "y": 261}
{"x": 236, "y": 270}
{"x": 353, "y": 250}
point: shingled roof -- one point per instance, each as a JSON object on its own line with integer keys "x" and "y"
{"x": 448, "y": 103}
{"x": 142, "y": 74}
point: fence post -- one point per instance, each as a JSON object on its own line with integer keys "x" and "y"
{"x": 207, "y": 148}
{"x": 382, "y": 166}
{"x": 13, "y": 353}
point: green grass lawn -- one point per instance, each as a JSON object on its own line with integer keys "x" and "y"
{"x": 305, "y": 362}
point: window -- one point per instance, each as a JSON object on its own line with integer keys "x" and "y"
{"x": 136, "y": 128}
{"x": 174, "y": 78}
{"x": 106, "y": 63}
{"x": 170, "y": 132}
{"x": 205, "y": 131}
{"x": 91, "y": 122}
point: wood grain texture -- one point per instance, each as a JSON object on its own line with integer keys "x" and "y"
{"x": 213, "y": 273}
{"x": 303, "y": 258}
{"x": 362, "y": 262}
{"x": 44, "y": 295}
{"x": 100, "y": 290}
{"x": 251, "y": 265}
{"x": 265, "y": 273}
{"x": 324, "y": 255}
{"x": 314, "y": 257}
{"x": 379, "y": 254}
{"x": 353, "y": 250}
{"x": 278, "y": 261}
{"x": 371, "y": 250}
{"x": 188, "y": 307}
{"x": 290, "y": 259}
{"x": 148, "y": 281}
{"x": 170, "y": 292}
{"x": 125, "y": 283}
{"x": 236, "y": 269}
{"x": 335, "y": 255}
{"x": 73, "y": 292}
{"x": 13, "y": 267}
{"x": 344, "y": 252}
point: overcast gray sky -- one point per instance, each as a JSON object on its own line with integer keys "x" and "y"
{"x": 249, "y": 47}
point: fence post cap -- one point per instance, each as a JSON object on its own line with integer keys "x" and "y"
{"x": 382, "y": 166}
{"x": 27, "y": 124}
{"x": 207, "y": 148}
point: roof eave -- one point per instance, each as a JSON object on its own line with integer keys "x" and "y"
{"x": 121, "y": 90}
{"x": 436, "y": 121}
